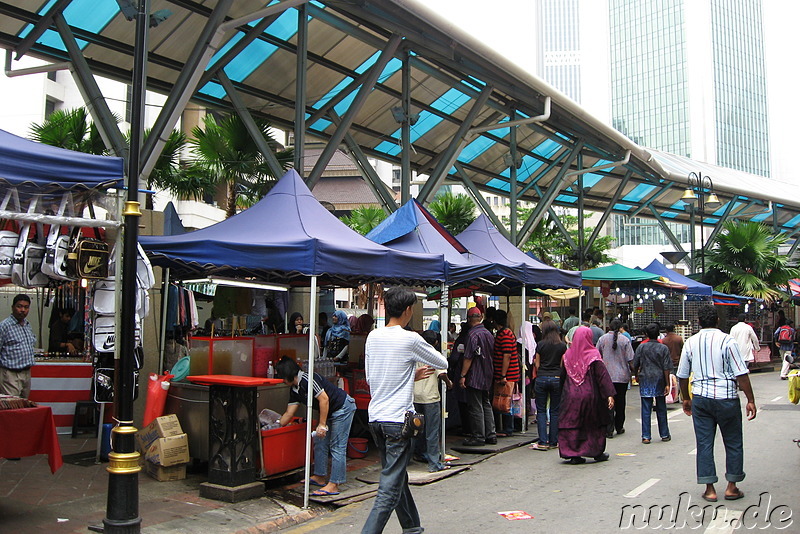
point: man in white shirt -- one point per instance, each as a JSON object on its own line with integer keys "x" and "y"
{"x": 747, "y": 339}
{"x": 714, "y": 360}
{"x": 392, "y": 354}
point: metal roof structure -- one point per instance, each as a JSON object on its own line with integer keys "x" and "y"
{"x": 387, "y": 79}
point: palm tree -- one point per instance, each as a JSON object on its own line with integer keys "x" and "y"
{"x": 226, "y": 153}
{"x": 71, "y": 129}
{"x": 552, "y": 248}
{"x": 743, "y": 260}
{"x": 364, "y": 218}
{"x": 454, "y": 212}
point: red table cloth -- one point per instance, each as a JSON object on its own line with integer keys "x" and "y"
{"x": 30, "y": 431}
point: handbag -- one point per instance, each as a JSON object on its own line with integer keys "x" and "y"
{"x": 501, "y": 400}
{"x": 413, "y": 423}
{"x": 55, "y": 256}
{"x": 88, "y": 256}
{"x": 516, "y": 402}
{"x": 28, "y": 257}
{"x": 9, "y": 238}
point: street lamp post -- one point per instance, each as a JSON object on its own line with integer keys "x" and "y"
{"x": 697, "y": 200}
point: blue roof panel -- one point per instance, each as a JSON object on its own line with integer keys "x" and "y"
{"x": 639, "y": 192}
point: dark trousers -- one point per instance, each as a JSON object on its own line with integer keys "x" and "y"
{"x": 393, "y": 492}
{"x": 618, "y": 411}
{"x": 481, "y": 417}
{"x": 707, "y": 415}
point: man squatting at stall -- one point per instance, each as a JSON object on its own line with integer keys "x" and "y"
{"x": 392, "y": 354}
{"x": 336, "y": 409}
{"x": 16, "y": 349}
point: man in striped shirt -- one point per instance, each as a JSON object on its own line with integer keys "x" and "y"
{"x": 714, "y": 360}
{"x": 392, "y": 354}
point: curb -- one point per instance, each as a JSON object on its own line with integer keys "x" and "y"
{"x": 282, "y": 522}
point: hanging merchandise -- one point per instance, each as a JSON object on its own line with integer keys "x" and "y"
{"x": 57, "y": 248}
{"x": 88, "y": 257}
{"x": 28, "y": 257}
{"x": 9, "y": 237}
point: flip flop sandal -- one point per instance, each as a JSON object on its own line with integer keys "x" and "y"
{"x": 709, "y": 499}
{"x": 734, "y": 497}
{"x": 539, "y": 447}
{"x": 323, "y": 493}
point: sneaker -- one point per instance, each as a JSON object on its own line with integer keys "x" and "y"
{"x": 610, "y": 435}
{"x": 621, "y": 431}
{"x": 577, "y": 460}
{"x": 473, "y": 442}
{"x": 491, "y": 441}
{"x": 602, "y": 457}
{"x": 668, "y": 438}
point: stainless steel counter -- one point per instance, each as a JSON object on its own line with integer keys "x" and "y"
{"x": 190, "y": 403}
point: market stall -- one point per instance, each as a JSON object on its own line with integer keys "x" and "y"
{"x": 47, "y": 192}
{"x": 289, "y": 238}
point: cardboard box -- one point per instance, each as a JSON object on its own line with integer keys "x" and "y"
{"x": 169, "y": 451}
{"x": 164, "y": 474}
{"x": 161, "y": 427}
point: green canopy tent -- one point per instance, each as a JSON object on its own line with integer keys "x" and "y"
{"x": 614, "y": 273}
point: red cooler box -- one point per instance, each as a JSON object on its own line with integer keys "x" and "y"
{"x": 283, "y": 448}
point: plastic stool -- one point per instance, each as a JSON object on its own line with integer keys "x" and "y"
{"x": 85, "y": 420}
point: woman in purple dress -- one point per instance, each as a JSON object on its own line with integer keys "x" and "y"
{"x": 587, "y": 397}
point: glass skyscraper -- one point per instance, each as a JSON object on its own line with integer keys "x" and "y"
{"x": 688, "y": 77}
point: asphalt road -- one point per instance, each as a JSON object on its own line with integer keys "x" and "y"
{"x": 626, "y": 493}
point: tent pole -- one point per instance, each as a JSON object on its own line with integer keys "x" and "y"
{"x": 444, "y": 323}
{"x": 164, "y": 304}
{"x": 522, "y": 320}
{"x": 309, "y": 395}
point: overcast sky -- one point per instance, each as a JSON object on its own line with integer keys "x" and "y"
{"x": 505, "y": 26}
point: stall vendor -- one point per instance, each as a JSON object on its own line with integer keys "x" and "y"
{"x": 296, "y": 325}
{"x": 59, "y": 332}
{"x": 336, "y": 409}
{"x": 337, "y": 340}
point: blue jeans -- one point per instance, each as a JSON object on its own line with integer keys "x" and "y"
{"x": 427, "y": 445}
{"x": 335, "y": 442}
{"x": 393, "y": 492}
{"x": 544, "y": 387}
{"x": 707, "y": 415}
{"x": 661, "y": 416}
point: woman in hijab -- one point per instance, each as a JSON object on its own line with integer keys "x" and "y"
{"x": 586, "y": 398}
{"x": 337, "y": 339}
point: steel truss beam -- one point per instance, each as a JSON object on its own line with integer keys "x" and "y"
{"x": 386, "y": 54}
{"x": 607, "y": 212}
{"x": 185, "y": 86}
{"x": 478, "y": 197}
{"x": 87, "y": 85}
{"x": 40, "y": 27}
{"x": 367, "y": 171}
{"x": 558, "y": 182}
{"x": 301, "y": 90}
{"x": 674, "y": 240}
{"x": 250, "y": 124}
{"x": 452, "y": 151}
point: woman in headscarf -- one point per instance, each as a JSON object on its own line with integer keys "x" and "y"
{"x": 337, "y": 339}
{"x": 586, "y": 398}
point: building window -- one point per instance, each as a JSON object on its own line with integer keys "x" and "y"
{"x": 49, "y": 107}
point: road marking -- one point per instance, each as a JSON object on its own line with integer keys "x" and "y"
{"x": 676, "y": 413}
{"x": 724, "y": 521}
{"x": 693, "y": 451}
{"x": 642, "y": 488}
{"x": 776, "y": 399}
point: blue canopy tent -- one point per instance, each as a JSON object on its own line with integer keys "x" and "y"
{"x": 413, "y": 229}
{"x": 25, "y": 163}
{"x": 693, "y": 287}
{"x": 481, "y": 237}
{"x": 289, "y": 236}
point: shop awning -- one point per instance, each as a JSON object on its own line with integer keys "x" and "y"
{"x": 693, "y": 287}
{"x": 289, "y": 236}
{"x": 615, "y": 273}
{"x": 48, "y": 168}
{"x": 482, "y": 237}
{"x": 413, "y": 229}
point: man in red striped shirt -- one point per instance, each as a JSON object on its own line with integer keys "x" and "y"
{"x": 506, "y": 367}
